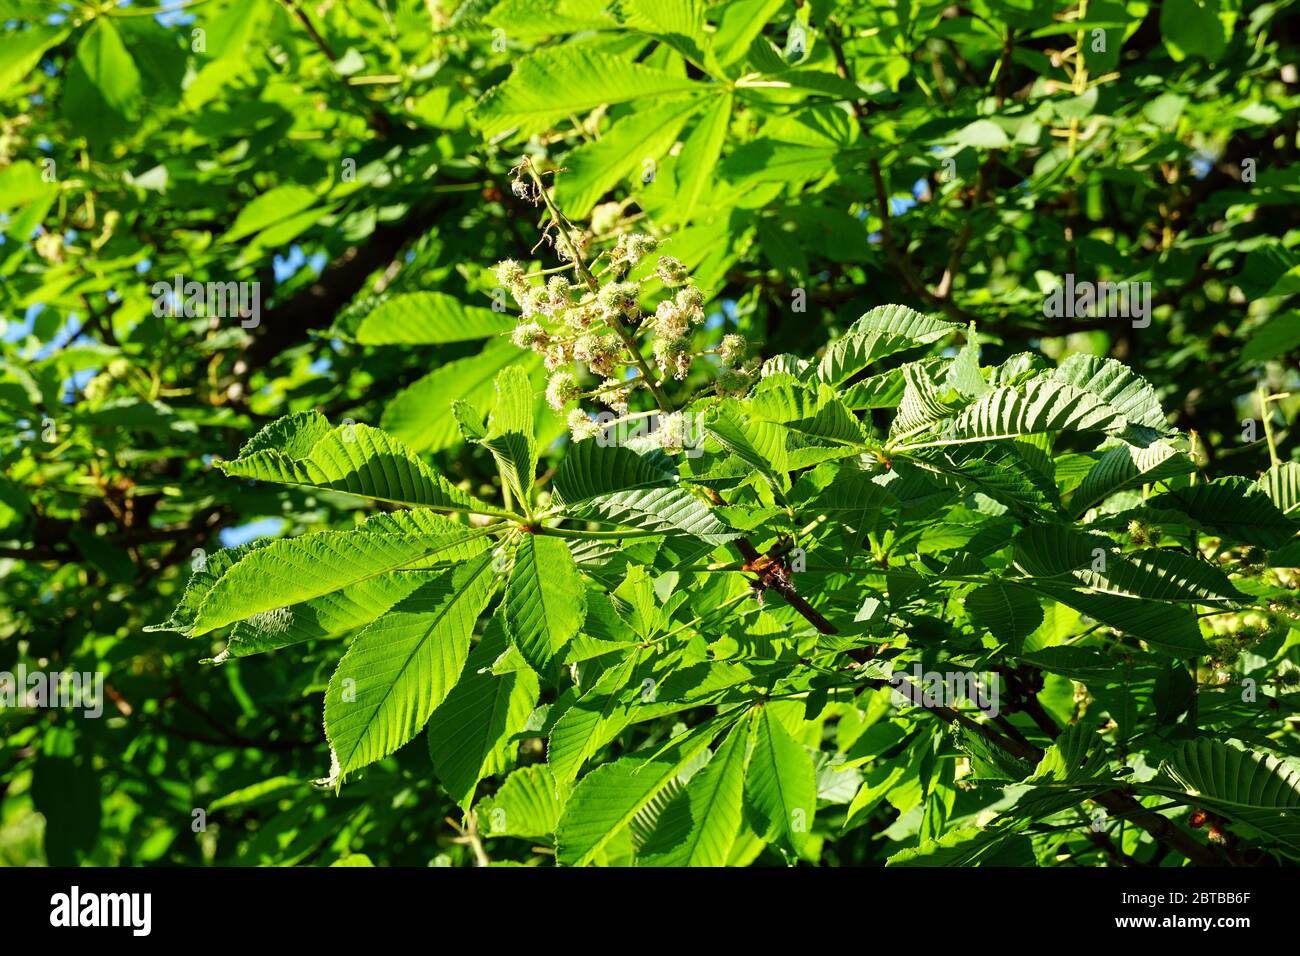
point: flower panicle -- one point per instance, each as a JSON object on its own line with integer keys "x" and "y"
{"x": 585, "y": 332}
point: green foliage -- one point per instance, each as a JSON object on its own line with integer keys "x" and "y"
{"x": 787, "y": 511}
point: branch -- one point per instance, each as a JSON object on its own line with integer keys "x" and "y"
{"x": 1116, "y": 801}
{"x": 315, "y": 306}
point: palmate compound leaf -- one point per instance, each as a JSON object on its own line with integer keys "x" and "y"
{"x": 545, "y": 600}
{"x": 780, "y": 785}
{"x": 303, "y": 449}
{"x": 1252, "y": 788}
{"x": 403, "y": 666}
{"x": 470, "y": 732}
{"x": 291, "y": 571}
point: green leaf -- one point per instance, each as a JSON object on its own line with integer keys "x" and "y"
{"x": 271, "y": 208}
{"x": 923, "y": 404}
{"x": 545, "y": 600}
{"x": 1172, "y": 630}
{"x": 1248, "y": 787}
{"x": 1055, "y": 550}
{"x": 739, "y": 23}
{"x": 403, "y": 666}
{"x": 590, "y": 468}
{"x": 593, "y": 169}
{"x": 327, "y": 616}
{"x": 659, "y": 509}
{"x": 1001, "y": 471}
{"x": 525, "y": 806}
{"x": 1279, "y": 335}
{"x": 109, "y": 66}
{"x": 22, "y": 51}
{"x": 1162, "y": 575}
{"x": 1192, "y": 28}
{"x": 679, "y": 23}
{"x": 1039, "y": 406}
{"x": 1077, "y": 756}
{"x": 294, "y": 570}
{"x": 884, "y": 331}
{"x": 531, "y": 18}
{"x": 594, "y": 719}
{"x": 1008, "y": 612}
{"x": 429, "y": 318}
{"x": 510, "y": 435}
{"x": 206, "y": 573}
{"x": 982, "y": 134}
{"x": 542, "y": 89}
{"x": 699, "y": 158}
{"x": 470, "y": 733}
{"x": 1125, "y": 466}
{"x": 604, "y": 802}
{"x": 302, "y": 449}
{"x": 853, "y": 497}
{"x": 713, "y": 798}
{"x": 758, "y": 443}
{"x": 781, "y": 785}
{"x": 418, "y": 415}
{"x": 963, "y": 847}
{"x": 1115, "y": 384}
{"x": 1282, "y": 485}
{"x": 1234, "y": 507}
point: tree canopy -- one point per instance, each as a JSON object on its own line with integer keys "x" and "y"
{"x": 664, "y": 432}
